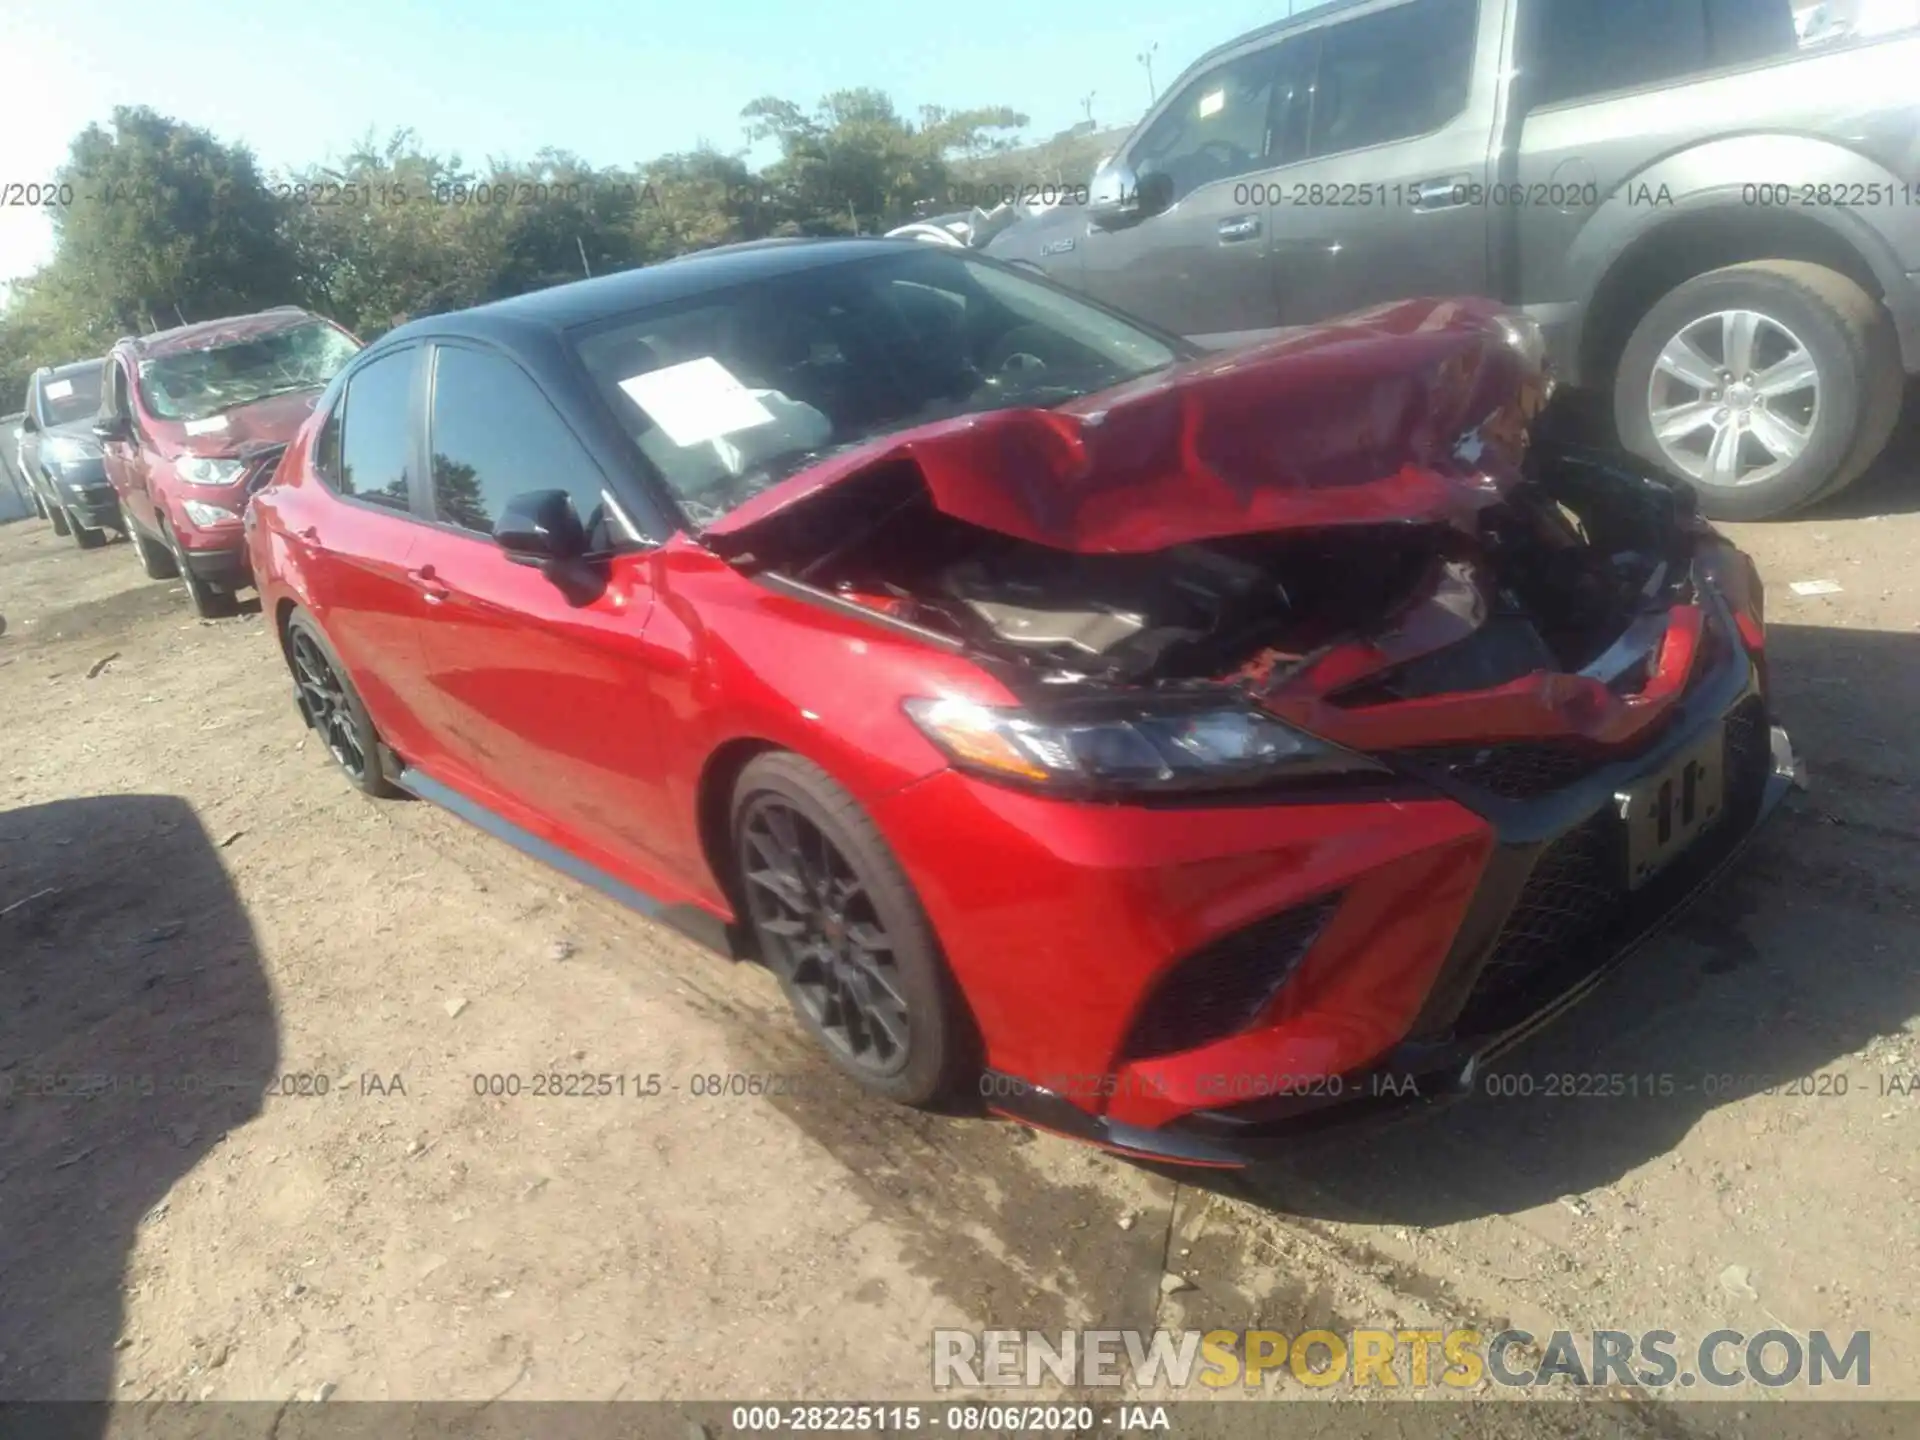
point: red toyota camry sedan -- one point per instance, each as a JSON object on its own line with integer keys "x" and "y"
{"x": 1173, "y": 748}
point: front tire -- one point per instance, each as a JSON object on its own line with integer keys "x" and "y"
{"x": 839, "y": 925}
{"x": 155, "y": 559}
{"x": 58, "y": 518}
{"x": 208, "y": 602}
{"x": 1765, "y": 386}
{"x": 333, "y": 709}
{"x": 83, "y": 537}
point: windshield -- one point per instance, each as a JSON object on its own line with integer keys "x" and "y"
{"x": 194, "y": 384}
{"x": 69, "y": 394}
{"x": 733, "y": 392}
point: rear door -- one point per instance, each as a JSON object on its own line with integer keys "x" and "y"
{"x": 352, "y": 546}
{"x": 537, "y": 684}
{"x": 1391, "y": 199}
{"x": 1202, "y": 266}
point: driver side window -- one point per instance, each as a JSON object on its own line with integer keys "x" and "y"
{"x": 1224, "y": 123}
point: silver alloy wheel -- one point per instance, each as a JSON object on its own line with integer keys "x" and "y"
{"x": 1734, "y": 398}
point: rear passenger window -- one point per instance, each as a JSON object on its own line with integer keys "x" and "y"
{"x": 367, "y": 455}
{"x": 1591, "y": 47}
{"x": 495, "y": 437}
{"x": 1393, "y": 75}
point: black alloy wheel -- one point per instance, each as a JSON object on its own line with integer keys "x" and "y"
{"x": 323, "y": 699}
{"x": 839, "y": 925}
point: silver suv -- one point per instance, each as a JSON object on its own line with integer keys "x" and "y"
{"x": 1714, "y": 218}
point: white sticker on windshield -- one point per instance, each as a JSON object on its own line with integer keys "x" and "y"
{"x": 59, "y": 389}
{"x": 696, "y": 401}
{"x": 207, "y": 426}
{"x": 1213, "y": 103}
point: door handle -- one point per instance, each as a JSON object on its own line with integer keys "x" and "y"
{"x": 1447, "y": 192}
{"x": 1238, "y": 228}
{"x": 428, "y": 584}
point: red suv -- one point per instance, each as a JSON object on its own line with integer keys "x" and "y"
{"x": 1163, "y": 746}
{"x": 190, "y": 418}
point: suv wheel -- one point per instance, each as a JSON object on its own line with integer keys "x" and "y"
{"x": 838, "y": 923}
{"x": 208, "y": 601}
{"x": 332, "y": 708}
{"x": 155, "y": 559}
{"x": 57, "y": 517}
{"x": 1764, "y": 386}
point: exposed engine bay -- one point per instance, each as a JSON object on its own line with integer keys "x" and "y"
{"x": 1575, "y": 564}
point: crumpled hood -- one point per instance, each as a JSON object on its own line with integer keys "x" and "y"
{"x": 274, "y": 420}
{"x": 1414, "y": 412}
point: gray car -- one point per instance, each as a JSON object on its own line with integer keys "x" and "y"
{"x": 62, "y": 458}
{"x": 1716, "y": 225}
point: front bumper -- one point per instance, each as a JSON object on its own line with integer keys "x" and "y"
{"x": 227, "y": 568}
{"x": 1548, "y": 917}
{"x": 85, "y": 493}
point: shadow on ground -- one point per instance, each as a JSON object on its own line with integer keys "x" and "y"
{"x": 136, "y": 1030}
{"x": 1801, "y": 956}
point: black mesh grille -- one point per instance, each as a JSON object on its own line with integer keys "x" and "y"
{"x": 1513, "y": 772}
{"x": 1222, "y": 989}
{"x": 1576, "y": 899}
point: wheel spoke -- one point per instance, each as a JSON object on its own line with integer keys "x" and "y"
{"x": 1783, "y": 439}
{"x": 1683, "y": 360}
{"x": 1785, "y": 377}
{"x": 1723, "y": 455}
{"x": 1683, "y": 420}
{"x": 1738, "y": 330}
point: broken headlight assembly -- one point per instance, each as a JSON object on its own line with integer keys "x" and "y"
{"x": 1218, "y": 743}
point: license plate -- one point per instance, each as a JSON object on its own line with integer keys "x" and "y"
{"x": 1667, "y": 812}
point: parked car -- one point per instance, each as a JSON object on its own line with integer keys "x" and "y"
{"x": 1165, "y": 746}
{"x": 62, "y": 459}
{"x": 191, "y": 417}
{"x": 18, "y": 500}
{"x": 1718, "y": 231}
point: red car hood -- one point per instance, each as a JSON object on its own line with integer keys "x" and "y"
{"x": 1414, "y": 412}
{"x": 273, "y": 420}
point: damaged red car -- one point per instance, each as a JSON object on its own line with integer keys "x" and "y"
{"x": 1174, "y": 749}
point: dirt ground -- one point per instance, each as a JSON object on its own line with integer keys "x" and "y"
{"x": 197, "y": 909}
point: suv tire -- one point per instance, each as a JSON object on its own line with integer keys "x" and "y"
{"x": 155, "y": 559}
{"x": 83, "y": 537}
{"x": 1845, "y": 415}
{"x": 208, "y": 602}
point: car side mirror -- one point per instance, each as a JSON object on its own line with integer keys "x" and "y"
{"x": 1118, "y": 198}
{"x": 28, "y": 424}
{"x": 113, "y": 427}
{"x": 539, "y": 527}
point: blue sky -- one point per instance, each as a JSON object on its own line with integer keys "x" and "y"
{"x": 614, "y": 82}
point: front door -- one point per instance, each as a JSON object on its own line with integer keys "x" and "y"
{"x": 125, "y": 458}
{"x": 1202, "y": 266}
{"x": 537, "y": 683}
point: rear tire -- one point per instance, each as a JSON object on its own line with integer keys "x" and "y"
{"x": 58, "y": 518}
{"x": 333, "y": 709}
{"x": 208, "y": 602}
{"x": 1844, "y": 416}
{"x": 838, "y": 923}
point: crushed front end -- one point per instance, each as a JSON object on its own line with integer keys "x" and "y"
{"x": 1332, "y": 770}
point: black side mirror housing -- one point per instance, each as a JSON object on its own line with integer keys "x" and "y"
{"x": 540, "y": 527}
{"x": 1155, "y": 191}
{"x": 28, "y": 424}
{"x": 112, "y": 427}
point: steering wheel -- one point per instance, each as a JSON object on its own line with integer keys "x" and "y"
{"x": 1226, "y": 158}
{"x": 1014, "y": 358}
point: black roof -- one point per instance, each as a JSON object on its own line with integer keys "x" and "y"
{"x": 561, "y": 307}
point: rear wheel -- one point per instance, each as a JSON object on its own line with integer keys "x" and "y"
{"x": 332, "y": 707}
{"x": 838, "y": 923}
{"x": 1765, "y": 386}
{"x": 58, "y": 517}
{"x": 209, "y": 602}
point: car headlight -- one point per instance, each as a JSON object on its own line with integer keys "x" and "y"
{"x": 197, "y": 471}
{"x": 68, "y": 450}
{"x": 1208, "y": 744}
{"x": 203, "y": 514}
